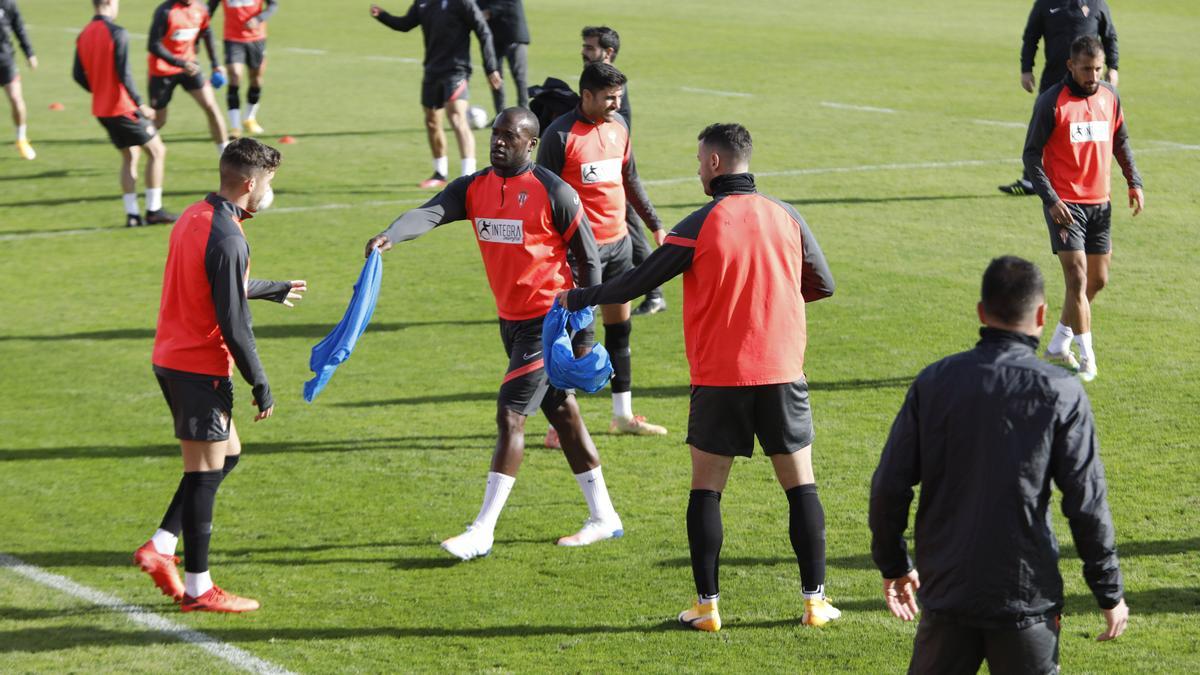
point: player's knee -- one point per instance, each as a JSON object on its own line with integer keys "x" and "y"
{"x": 1098, "y": 282}
{"x": 616, "y": 336}
{"x": 253, "y": 94}
{"x": 509, "y": 423}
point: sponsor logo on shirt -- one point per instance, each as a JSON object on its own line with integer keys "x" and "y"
{"x": 1095, "y": 131}
{"x": 604, "y": 171}
{"x": 500, "y": 231}
{"x": 233, "y": 4}
{"x": 185, "y": 34}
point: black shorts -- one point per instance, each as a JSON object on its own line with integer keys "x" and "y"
{"x": 947, "y": 646}
{"x": 1091, "y": 231}
{"x": 725, "y": 420}
{"x": 8, "y": 70}
{"x": 525, "y": 386}
{"x": 438, "y": 90}
{"x": 253, "y": 54}
{"x": 201, "y": 404}
{"x": 616, "y": 258}
{"x": 162, "y": 87}
{"x": 128, "y": 130}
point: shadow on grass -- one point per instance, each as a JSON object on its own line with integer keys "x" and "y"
{"x": 810, "y": 201}
{"x": 299, "y": 330}
{"x": 415, "y": 442}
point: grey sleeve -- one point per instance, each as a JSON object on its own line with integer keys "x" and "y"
{"x": 79, "y": 73}
{"x": 816, "y": 280}
{"x": 275, "y": 291}
{"x": 1032, "y": 36}
{"x": 212, "y": 7}
{"x": 892, "y": 491}
{"x": 210, "y": 46}
{"x": 636, "y": 194}
{"x": 18, "y": 29}
{"x": 569, "y": 217}
{"x": 552, "y": 150}
{"x": 1108, "y": 37}
{"x": 268, "y": 10}
{"x": 478, "y": 24}
{"x": 1079, "y": 474}
{"x": 1041, "y": 125}
{"x": 121, "y": 61}
{"x": 226, "y": 262}
{"x": 446, "y": 206}
{"x": 1123, "y": 152}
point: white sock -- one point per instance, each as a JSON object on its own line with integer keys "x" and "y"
{"x": 703, "y": 599}
{"x": 197, "y": 584}
{"x": 252, "y": 114}
{"x": 441, "y": 166}
{"x": 814, "y": 595}
{"x": 235, "y": 118}
{"x": 596, "y": 494}
{"x": 1084, "y": 341}
{"x": 468, "y": 166}
{"x": 164, "y": 542}
{"x": 623, "y": 404}
{"x": 1060, "y": 342}
{"x": 499, "y": 485}
{"x": 131, "y": 205}
{"x": 221, "y": 147}
{"x": 21, "y": 128}
{"x": 153, "y": 199}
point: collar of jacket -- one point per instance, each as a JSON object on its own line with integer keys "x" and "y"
{"x": 732, "y": 184}
{"x": 218, "y": 202}
{"x": 511, "y": 173}
{"x": 1076, "y": 90}
{"x": 1004, "y": 338}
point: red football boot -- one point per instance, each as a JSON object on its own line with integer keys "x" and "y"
{"x": 161, "y": 569}
{"x": 217, "y": 600}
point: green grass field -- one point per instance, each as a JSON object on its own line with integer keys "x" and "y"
{"x": 334, "y": 516}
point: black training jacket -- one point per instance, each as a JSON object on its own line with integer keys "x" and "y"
{"x": 507, "y": 22}
{"x": 1060, "y": 22}
{"x": 446, "y": 27}
{"x": 10, "y": 18}
{"x": 986, "y": 432}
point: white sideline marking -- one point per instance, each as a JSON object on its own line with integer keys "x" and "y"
{"x": 717, "y": 92}
{"x": 236, "y": 657}
{"x": 1176, "y": 146}
{"x": 860, "y": 108}
{"x": 335, "y": 207}
{"x": 998, "y": 123}
{"x": 302, "y": 50}
{"x": 392, "y": 59}
{"x": 854, "y": 169}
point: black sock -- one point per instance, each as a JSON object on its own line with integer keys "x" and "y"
{"x": 807, "y": 529}
{"x": 253, "y": 94}
{"x": 616, "y": 341}
{"x": 172, "y": 520}
{"x": 199, "y": 496}
{"x": 231, "y": 462}
{"x": 704, "y": 538}
{"x": 231, "y": 98}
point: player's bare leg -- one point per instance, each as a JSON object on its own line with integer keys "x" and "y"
{"x": 1097, "y": 273}
{"x": 156, "y": 160}
{"x": 456, "y": 111}
{"x": 1077, "y": 309}
{"x": 128, "y": 177}
{"x": 16, "y": 101}
{"x": 806, "y": 529}
{"x": 160, "y": 118}
{"x": 602, "y": 522}
{"x": 434, "y": 119}
{"x": 216, "y": 123}
{"x": 617, "y": 331}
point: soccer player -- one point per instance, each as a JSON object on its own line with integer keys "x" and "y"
{"x": 510, "y": 37}
{"x": 590, "y": 149}
{"x": 526, "y": 220}
{"x": 749, "y": 264}
{"x": 447, "y": 26}
{"x": 985, "y": 432}
{"x": 1077, "y": 128}
{"x": 204, "y": 326}
{"x": 10, "y": 79}
{"x": 1059, "y": 22}
{"x": 245, "y": 48}
{"x": 177, "y": 25}
{"x": 102, "y": 68}
{"x": 601, "y": 45}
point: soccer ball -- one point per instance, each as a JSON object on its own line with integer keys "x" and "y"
{"x": 477, "y": 118}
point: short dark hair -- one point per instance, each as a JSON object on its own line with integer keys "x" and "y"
{"x": 1088, "y": 45}
{"x": 606, "y": 37}
{"x": 247, "y": 157}
{"x": 1012, "y": 289}
{"x": 600, "y": 76}
{"x": 524, "y": 119}
{"x": 730, "y": 139}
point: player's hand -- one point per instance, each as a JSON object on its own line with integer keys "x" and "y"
{"x": 1112, "y": 77}
{"x": 191, "y": 68}
{"x": 1027, "y": 82}
{"x": 147, "y": 112}
{"x": 264, "y": 414}
{"x": 1137, "y": 200}
{"x": 379, "y": 241}
{"x": 252, "y": 23}
{"x": 376, "y": 10}
{"x": 495, "y": 80}
{"x": 561, "y": 297}
{"x": 1060, "y": 214}
{"x": 660, "y": 235}
{"x": 219, "y": 69}
{"x": 299, "y": 286}
{"x": 33, "y": 63}
{"x": 1117, "y": 619}
{"x": 901, "y": 595}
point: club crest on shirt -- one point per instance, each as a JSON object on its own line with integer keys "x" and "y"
{"x": 500, "y": 231}
{"x": 1085, "y": 9}
{"x": 1095, "y": 131}
{"x": 604, "y": 171}
{"x": 522, "y": 198}
{"x": 612, "y": 137}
